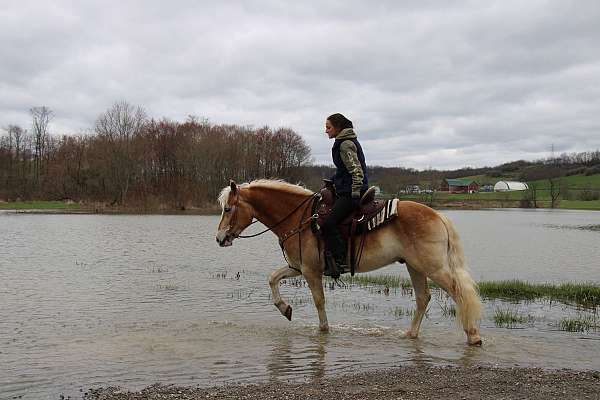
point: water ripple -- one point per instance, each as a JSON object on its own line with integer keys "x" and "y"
{"x": 93, "y": 300}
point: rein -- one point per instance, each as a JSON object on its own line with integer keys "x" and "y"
{"x": 313, "y": 196}
{"x": 301, "y": 226}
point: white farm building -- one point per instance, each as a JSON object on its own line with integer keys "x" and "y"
{"x": 507, "y": 186}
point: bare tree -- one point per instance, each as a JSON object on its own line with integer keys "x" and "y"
{"x": 41, "y": 117}
{"x": 534, "y": 189}
{"x": 117, "y": 128}
{"x": 17, "y": 134}
{"x": 132, "y": 161}
{"x": 554, "y": 191}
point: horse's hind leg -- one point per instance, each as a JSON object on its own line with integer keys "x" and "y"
{"x": 286, "y": 272}
{"x": 466, "y": 298}
{"x": 422, "y": 296}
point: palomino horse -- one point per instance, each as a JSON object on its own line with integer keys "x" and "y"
{"x": 419, "y": 236}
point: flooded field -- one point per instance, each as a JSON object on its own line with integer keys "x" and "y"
{"x": 89, "y": 300}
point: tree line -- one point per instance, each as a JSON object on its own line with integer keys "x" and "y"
{"x": 135, "y": 161}
{"x": 132, "y": 160}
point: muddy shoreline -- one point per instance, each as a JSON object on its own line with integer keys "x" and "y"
{"x": 408, "y": 382}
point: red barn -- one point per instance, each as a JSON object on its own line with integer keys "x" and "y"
{"x": 459, "y": 186}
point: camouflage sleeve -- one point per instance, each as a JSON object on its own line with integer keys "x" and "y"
{"x": 350, "y": 158}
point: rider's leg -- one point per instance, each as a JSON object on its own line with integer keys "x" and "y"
{"x": 334, "y": 242}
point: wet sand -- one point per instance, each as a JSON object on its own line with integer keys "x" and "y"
{"x": 414, "y": 382}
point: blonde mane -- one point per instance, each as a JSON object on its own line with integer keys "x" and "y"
{"x": 277, "y": 184}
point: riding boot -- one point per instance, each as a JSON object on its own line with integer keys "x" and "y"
{"x": 339, "y": 252}
{"x": 335, "y": 256}
{"x": 331, "y": 268}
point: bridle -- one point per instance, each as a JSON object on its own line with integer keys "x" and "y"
{"x": 315, "y": 197}
{"x": 234, "y": 219}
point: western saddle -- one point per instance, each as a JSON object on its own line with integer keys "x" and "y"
{"x": 353, "y": 225}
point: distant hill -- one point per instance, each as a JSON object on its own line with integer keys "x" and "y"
{"x": 578, "y": 170}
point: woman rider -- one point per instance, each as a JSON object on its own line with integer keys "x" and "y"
{"x": 350, "y": 182}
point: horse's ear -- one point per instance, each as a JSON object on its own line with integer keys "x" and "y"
{"x": 233, "y": 186}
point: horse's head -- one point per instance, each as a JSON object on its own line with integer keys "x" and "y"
{"x": 235, "y": 217}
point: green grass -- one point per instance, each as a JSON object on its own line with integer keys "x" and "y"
{"x": 574, "y": 182}
{"x": 584, "y": 294}
{"x": 512, "y": 199}
{"x": 580, "y": 204}
{"x": 508, "y": 318}
{"x": 391, "y": 281}
{"x": 39, "y": 205}
{"x": 581, "y": 324}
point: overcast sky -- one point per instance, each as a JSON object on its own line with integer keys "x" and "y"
{"x": 440, "y": 84}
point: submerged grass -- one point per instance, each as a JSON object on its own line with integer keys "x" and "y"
{"x": 448, "y": 310}
{"x": 509, "y": 318}
{"x": 167, "y": 286}
{"x": 401, "y": 312}
{"x": 581, "y": 324}
{"x": 390, "y": 281}
{"x": 583, "y": 294}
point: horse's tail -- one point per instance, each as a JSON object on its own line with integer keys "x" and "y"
{"x": 467, "y": 295}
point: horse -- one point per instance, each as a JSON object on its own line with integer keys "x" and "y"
{"x": 422, "y": 238}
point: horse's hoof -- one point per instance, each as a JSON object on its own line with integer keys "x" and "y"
{"x": 288, "y": 313}
{"x": 410, "y": 335}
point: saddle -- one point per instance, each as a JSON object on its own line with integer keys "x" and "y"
{"x": 353, "y": 225}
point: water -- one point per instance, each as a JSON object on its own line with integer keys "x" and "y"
{"x": 88, "y": 300}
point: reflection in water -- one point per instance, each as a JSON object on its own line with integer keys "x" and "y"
{"x": 289, "y": 360}
{"x": 416, "y": 353}
{"x": 470, "y": 356}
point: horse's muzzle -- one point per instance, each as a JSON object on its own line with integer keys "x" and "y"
{"x": 224, "y": 238}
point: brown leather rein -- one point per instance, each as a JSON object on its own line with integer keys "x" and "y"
{"x": 288, "y": 235}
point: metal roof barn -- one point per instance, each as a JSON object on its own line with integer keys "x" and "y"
{"x": 507, "y": 186}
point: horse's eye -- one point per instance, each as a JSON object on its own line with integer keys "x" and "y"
{"x": 227, "y": 209}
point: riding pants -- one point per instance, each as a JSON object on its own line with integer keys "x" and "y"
{"x": 334, "y": 242}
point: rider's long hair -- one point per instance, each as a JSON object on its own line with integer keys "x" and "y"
{"x": 339, "y": 122}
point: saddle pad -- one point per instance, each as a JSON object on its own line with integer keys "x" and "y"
{"x": 389, "y": 211}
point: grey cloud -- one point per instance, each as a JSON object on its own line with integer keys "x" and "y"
{"x": 426, "y": 83}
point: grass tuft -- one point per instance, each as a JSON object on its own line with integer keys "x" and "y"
{"x": 401, "y": 312}
{"x": 581, "y": 324}
{"x": 448, "y": 310}
{"x": 167, "y": 286}
{"x": 508, "y": 318}
{"x": 391, "y": 281}
{"x": 582, "y": 294}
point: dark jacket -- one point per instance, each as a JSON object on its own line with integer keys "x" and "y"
{"x": 350, "y": 178}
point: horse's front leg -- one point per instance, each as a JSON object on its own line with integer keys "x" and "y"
{"x": 285, "y": 272}
{"x": 315, "y": 283}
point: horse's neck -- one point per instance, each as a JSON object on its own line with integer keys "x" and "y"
{"x": 273, "y": 208}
